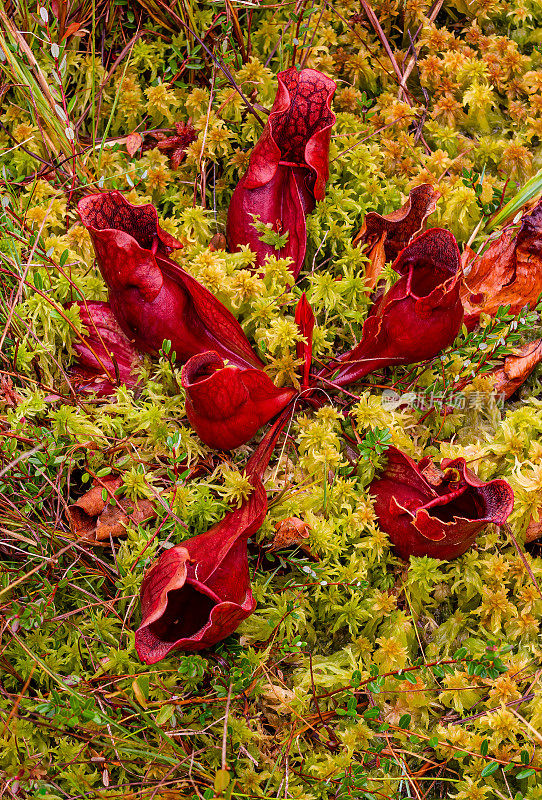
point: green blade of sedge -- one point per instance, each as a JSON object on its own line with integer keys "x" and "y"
{"x": 532, "y": 189}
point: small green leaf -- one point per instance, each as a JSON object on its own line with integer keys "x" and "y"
{"x": 222, "y": 779}
{"x": 525, "y": 773}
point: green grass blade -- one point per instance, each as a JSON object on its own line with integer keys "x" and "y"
{"x": 532, "y": 189}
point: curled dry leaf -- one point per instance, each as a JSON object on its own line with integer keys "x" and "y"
{"x": 384, "y": 236}
{"x": 291, "y": 532}
{"x": 95, "y": 520}
{"x": 218, "y": 242}
{"x": 517, "y": 368}
{"x": 277, "y": 700}
{"x": 508, "y": 273}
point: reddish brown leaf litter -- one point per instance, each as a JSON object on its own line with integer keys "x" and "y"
{"x": 106, "y": 357}
{"x": 95, "y": 519}
{"x": 175, "y": 146}
{"x": 508, "y": 273}
{"x": 517, "y": 368}
{"x": 133, "y": 143}
{"x": 292, "y": 532}
{"x": 534, "y": 530}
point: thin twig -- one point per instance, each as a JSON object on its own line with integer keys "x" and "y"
{"x": 373, "y": 19}
{"x": 225, "y": 731}
{"x": 20, "y": 458}
{"x": 522, "y": 556}
{"x": 412, "y": 61}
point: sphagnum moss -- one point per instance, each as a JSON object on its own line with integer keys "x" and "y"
{"x": 355, "y": 676}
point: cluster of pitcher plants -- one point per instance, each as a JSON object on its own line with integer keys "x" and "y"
{"x": 198, "y": 592}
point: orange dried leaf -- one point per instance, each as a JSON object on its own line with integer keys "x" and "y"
{"x": 133, "y": 143}
{"x": 508, "y": 273}
{"x": 377, "y": 261}
{"x": 291, "y": 532}
{"x": 92, "y": 503}
{"x": 71, "y": 29}
{"x": 517, "y": 368}
{"x": 534, "y": 531}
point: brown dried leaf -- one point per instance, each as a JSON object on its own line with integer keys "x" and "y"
{"x": 92, "y": 503}
{"x": 175, "y": 146}
{"x": 218, "y": 242}
{"x": 509, "y": 272}
{"x": 114, "y": 519}
{"x": 291, "y": 532}
{"x": 133, "y": 143}
{"x": 517, "y": 368}
{"x": 432, "y": 473}
{"x": 377, "y": 261}
{"x": 534, "y": 531}
{"x": 402, "y": 225}
{"x": 95, "y": 520}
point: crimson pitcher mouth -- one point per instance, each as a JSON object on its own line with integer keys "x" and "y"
{"x": 198, "y": 592}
